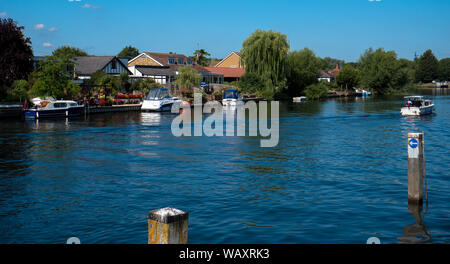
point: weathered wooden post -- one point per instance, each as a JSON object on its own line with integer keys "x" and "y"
{"x": 168, "y": 226}
{"x": 415, "y": 167}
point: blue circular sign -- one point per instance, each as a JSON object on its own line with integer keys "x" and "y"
{"x": 413, "y": 143}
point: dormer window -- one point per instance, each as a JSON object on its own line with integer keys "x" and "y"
{"x": 114, "y": 65}
{"x": 171, "y": 60}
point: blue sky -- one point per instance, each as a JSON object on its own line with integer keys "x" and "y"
{"x": 340, "y": 29}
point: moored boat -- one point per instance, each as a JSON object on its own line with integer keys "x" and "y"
{"x": 300, "y": 99}
{"x": 53, "y": 109}
{"x": 159, "y": 100}
{"x": 231, "y": 97}
{"x": 417, "y": 106}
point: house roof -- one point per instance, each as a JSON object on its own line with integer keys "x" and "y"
{"x": 88, "y": 65}
{"x": 324, "y": 74}
{"x": 155, "y": 70}
{"x": 227, "y": 72}
{"x": 234, "y": 52}
{"x": 163, "y": 58}
{"x": 335, "y": 71}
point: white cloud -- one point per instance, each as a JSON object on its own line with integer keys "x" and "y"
{"x": 39, "y": 26}
{"x": 74, "y": 0}
{"x": 47, "y": 44}
{"x": 53, "y": 29}
{"x": 3, "y": 14}
{"x": 89, "y": 6}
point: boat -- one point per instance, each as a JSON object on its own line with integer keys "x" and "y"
{"x": 417, "y": 106}
{"x": 11, "y": 110}
{"x": 159, "y": 100}
{"x": 232, "y": 97}
{"x": 53, "y": 108}
{"x": 300, "y": 99}
{"x": 363, "y": 93}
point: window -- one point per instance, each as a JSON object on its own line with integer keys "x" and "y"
{"x": 189, "y": 61}
{"x": 181, "y": 61}
{"x": 171, "y": 60}
{"x": 59, "y": 105}
{"x": 114, "y": 65}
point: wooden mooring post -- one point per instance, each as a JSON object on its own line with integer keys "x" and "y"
{"x": 416, "y": 166}
{"x": 168, "y": 226}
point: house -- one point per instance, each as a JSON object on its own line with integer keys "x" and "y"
{"x": 330, "y": 75}
{"x": 163, "y": 67}
{"x": 335, "y": 71}
{"x": 159, "y": 59}
{"x": 231, "y": 61}
{"x": 325, "y": 76}
{"x": 161, "y": 74}
{"x": 87, "y": 65}
{"x": 229, "y": 74}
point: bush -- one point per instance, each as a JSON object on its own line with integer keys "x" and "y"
{"x": 316, "y": 91}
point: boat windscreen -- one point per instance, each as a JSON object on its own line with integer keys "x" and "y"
{"x": 158, "y": 93}
{"x": 230, "y": 94}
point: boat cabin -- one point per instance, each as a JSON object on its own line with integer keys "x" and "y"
{"x": 231, "y": 94}
{"x": 158, "y": 93}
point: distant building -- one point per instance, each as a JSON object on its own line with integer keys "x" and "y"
{"x": 87, "y": 65}
{"x": 325, "y": 76}
{"x": 330, "y": 75}
{"x": 161, "y": 74}
{"x": 231, "y": 61}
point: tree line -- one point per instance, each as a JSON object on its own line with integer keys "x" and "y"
{"x": 274, "y": 71}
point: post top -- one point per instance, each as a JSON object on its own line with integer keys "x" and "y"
{"x": 415, "y": 135}
{"x": 168, "y": 215}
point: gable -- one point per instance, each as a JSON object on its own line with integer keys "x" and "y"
{"x": 232, "y": 61}
{"x": 115, "y": 66}
{"x": 143, "y": 60}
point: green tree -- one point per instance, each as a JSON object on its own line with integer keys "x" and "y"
{"x": 427, "y": 67}
{"x": 15, "y": 55}
{"x": 68, "y": 52}
{"x": 187, "y": 78}
{"x": 264, "y": 53}
{"x": 328, "y": 63}
{"x": 200, "y": 56}
{"x": 144, "y": 85}
{"x": 129, "y": 52}
{"x": 382, "y": 72}
{"x": 316, "y": 91}
{"x": 53, "y": 79}
{"x": 125, "y": 81}
{"x": 444, "y": 69}
{"x": 303, "y": 69}
{"x": 19, "y": 90}
{"x": 348, "y": 77}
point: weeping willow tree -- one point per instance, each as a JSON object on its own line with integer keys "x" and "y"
{"x": 264, "y": 54}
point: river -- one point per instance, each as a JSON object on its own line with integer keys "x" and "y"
{"x": 338, "y": 175}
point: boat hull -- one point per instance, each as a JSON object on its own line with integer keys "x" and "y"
{"x": 159, "y": 106}
{"x": 417, "y": 111}
{"x": 232, "y": 102}
{"x": 53, "y": 113}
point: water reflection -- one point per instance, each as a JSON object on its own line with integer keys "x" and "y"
{"x": 416, "y": 233}
{"x": 151, "y": 119}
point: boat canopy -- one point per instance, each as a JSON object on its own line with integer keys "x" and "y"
{"x": 414, "y": 97}
{"x": 158, "y": 93}
{"x": 231, "y": 94}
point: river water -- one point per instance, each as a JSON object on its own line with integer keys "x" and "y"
{"x": 338, "y": 175}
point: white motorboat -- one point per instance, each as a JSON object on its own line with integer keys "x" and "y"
{"x": 417, "y": 106}
{"x": 53, "y": 108}
{"x": 300, "y": 99}
{"x": 231, "y": 97}
{"x": 363, "y": 93}
{"x": 159, "y": 100}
